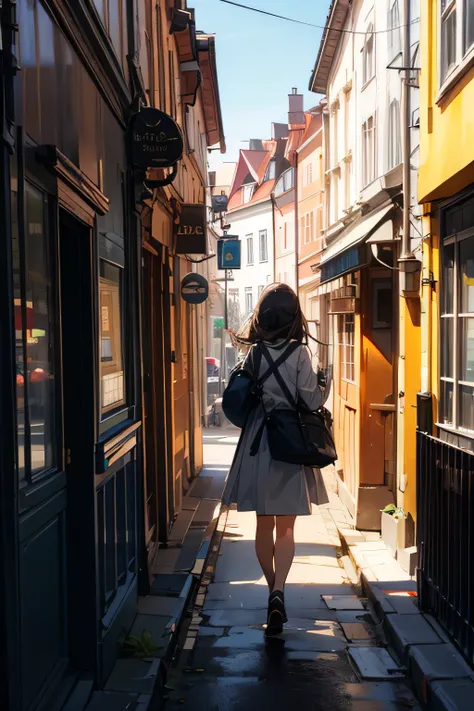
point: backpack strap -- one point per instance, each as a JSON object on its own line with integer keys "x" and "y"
{"x": 273, "y": 368}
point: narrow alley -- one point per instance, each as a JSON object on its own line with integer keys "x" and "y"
{"x": 330, "y": 655}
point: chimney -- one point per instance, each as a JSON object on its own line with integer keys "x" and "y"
{"x": 296, "y": 111}
{"x": 279, "y": 130}
{"x": 255, "y": 144}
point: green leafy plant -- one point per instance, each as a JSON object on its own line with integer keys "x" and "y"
{"x": 139, "y": 647}
{"x": 394, "y": 511}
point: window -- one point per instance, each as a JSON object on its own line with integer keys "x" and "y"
{"x": 111, "y": 344}
{"x": 457, "y": 318}
{"x": 113, "y": 15}
{"x": 285, "y": 236}
{"x": 263, "y": 245}
{"x": 308, "y": 227}
{"x": 248, "y": 192}
{"x": 394, "y": 135}
{"x": 249, "y": 249}
{"x": 368, "y": 55}
{"x": 260, "y": 290}
{"x": 271, "y": 171}
{"x": 394, "y": 36}
{"x": 368, "y": 147}
{"x": 248, "y": 300}
{"x": 309, "y": 174}
{"x": 34, "y": 326}
{"x": 456, "y": 34}
{"x": 346, "y": 347}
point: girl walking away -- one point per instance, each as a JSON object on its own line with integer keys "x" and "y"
{"x": 277, "y": 491}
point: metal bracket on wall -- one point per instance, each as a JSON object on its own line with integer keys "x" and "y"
{"x": 429, "y": 281}
{"x": 161, "y": 183}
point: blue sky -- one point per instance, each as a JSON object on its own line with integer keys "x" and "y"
{"x": 259, "y": 60}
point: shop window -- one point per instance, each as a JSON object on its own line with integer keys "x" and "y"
{"x": 34, "y": 328}
{"x": 346, "y": 347}
{"x": 457, "y": 321}
{"x": 112, "y": 390}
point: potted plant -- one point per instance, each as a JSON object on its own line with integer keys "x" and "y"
{"x": 393, "y": 528}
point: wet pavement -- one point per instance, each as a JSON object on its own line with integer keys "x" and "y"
{"x": 329, "y": 656}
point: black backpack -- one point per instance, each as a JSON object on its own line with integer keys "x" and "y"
{"x": 244, "y": 389}
{"x": 296, "y": 435}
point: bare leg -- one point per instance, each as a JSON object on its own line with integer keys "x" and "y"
{"x": 284, "y": 549}
{"x": 264, "y": 547}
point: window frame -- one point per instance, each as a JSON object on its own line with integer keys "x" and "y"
{"x": 261, "y": 233}
{"x": 105, "y": 24}
{"x": 368, "y": 178}
{"x": 346, "y": 345}
{"x": 106, "y": 412}
{"x": 247, "y": 192}
{"x": 249, "y": 242}
{"x": 394, "y": 41}
{"x": 394, "y": 130}
{"x": 464, "y": 54}
{"x": 248, "y": 292}
{"x": 30, "y": 477}
{"x": 368, "y": 51}
{"x": 456, "y": 353}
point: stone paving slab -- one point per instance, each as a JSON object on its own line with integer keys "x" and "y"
{"x": 134, "y": 676}
{"x": 343, "y": 602}
{"x": 452, "y": 695}
{"x": 434, "y": 662}
{"x": 375, "y": 663}
{"x": 406, "y": 631}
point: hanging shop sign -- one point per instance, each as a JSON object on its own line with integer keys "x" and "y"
{"x": 219, "y": 204}
{"x": 191, "y": 235}
{"x": 228, "y": 254}
{"x": 194, "y": 288}
{"x": 156, "y": 139}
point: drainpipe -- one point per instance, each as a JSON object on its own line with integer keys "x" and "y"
{"x": 405, "y": 110}
{"x": 272, "y": 198}
{"x": 410, "y": 267}
{"x": 297, "y": 244}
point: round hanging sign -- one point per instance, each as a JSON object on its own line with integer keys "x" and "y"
{"x": 156, "y": 139}
{"x": 194, "y": 288}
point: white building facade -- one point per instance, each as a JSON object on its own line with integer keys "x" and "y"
{"x": 253, "y": 224}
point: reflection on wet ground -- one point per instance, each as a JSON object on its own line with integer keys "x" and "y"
{"x": 328, "y": 658}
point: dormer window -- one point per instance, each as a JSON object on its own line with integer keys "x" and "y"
{"x": 248, "y": 191}
{"x": 271, "y": 171}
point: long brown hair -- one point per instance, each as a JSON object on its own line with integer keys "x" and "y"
{"x": 277, "y": 316}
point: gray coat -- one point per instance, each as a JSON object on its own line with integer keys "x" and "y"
{"x": 260, "y": 483}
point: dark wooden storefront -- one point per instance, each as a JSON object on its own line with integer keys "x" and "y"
{"x": 71, "y": 481}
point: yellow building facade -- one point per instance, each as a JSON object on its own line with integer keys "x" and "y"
{"x": 446, "y": 190}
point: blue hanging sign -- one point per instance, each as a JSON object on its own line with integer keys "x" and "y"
{"x": 228, "y": 254}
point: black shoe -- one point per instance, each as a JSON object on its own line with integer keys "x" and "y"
{"x": 276, "y": 613}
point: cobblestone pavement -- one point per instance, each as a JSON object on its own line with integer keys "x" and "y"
{"x": 330, "y": 655}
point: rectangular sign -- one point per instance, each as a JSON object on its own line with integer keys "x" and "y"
{"x": 228, "y": 254}
{"x": 191, "y": 232}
